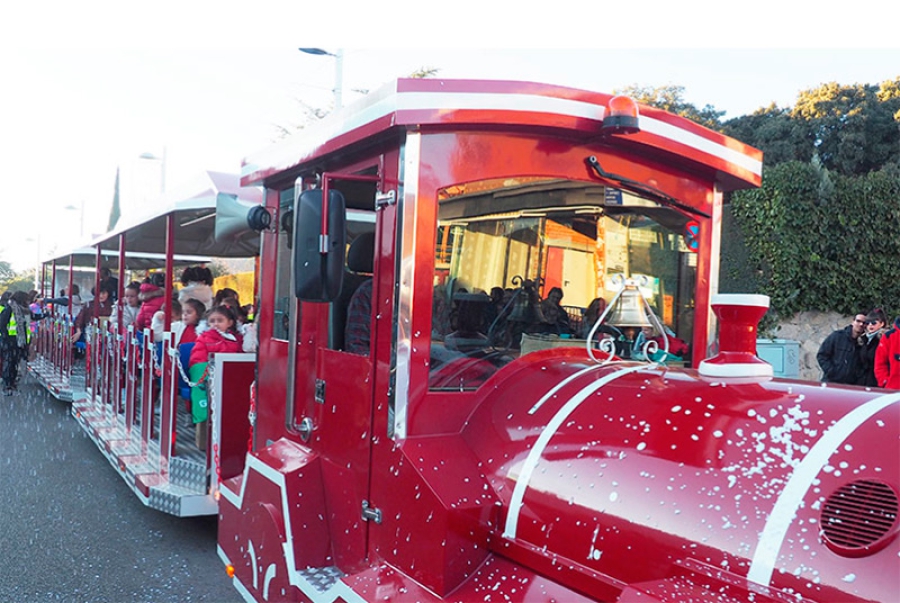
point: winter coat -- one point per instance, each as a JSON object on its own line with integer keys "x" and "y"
{"x": 837, "y": 356}
{"x": 212, "y": 341}
{"x": 152, "y": 302}
{"x": 8, "y": 341}
{"x": 129, "y": 315}
{"x": 188, "y": 334}
{"x": 251, "y": 341}
{"x": 183, "y": 333}
{"x": 199, "y": 291}
{"x": 887, "y": 359}
{"x": 865, "y": 362}
{"x": 104, "y": 310}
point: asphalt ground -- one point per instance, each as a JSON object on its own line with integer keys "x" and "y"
{"x": 71, "y": 530}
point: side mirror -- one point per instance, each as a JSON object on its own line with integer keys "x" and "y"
{"x": 319, "y": 256}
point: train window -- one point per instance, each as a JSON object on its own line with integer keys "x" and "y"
{"x": 284, "y": 300}
{"x": 518, "y": 264}
{"x": 358, "y": 268}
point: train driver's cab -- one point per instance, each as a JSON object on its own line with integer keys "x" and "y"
{"x": 526, "y": 264}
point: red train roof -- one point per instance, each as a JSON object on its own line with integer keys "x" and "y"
{"x": 425, "y": 103}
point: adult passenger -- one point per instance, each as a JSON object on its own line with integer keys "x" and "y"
{"x": 593, "y": 313}
{"x": 197, "y": 284}
{"x": 72, "y": 302}
{"x": 100, "y": 306}
{"x": 555, "y": 316}
{"x": 467, "y": 338}
{"x": 110, "y": 283}
{"x": 360, "y": 256}
{"x": 359, "y": 316}
{"x": 838, "y": 353}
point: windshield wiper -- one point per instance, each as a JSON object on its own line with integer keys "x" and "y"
{"x": 642, "y": 189}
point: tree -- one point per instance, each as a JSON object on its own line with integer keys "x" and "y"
{"x": 6, "y": 271}
{"x": 424, "y": 72}
{"x": 853, "y": 129}
{"x": 775, "y": 132}
{"x": 10, "y": 280}
{"x": 310, "y": 114}
{"x": 819, "y": 240}
{"x": 115, "y": 211}
{"x": 671, "y": 98}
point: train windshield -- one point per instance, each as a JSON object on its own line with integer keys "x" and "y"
{"x": 524, "y": 265}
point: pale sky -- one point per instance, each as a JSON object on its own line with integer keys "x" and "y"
{"x": 89, "y": 87}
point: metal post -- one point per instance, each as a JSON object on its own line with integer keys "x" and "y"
{"x": 170, "y": 268}
{"x": 97, "y": 264}
{"x": 168, "y": 412}
{"x": 70, "y": 330}
{"x": 147, "y": 376}
{"x": 131, "y": 357}
{"x": 119, "y": 338}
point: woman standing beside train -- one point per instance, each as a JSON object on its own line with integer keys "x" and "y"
{"x": 15, "y": 333}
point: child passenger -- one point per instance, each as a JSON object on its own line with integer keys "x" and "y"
{"x": 192, "y": 311}
{"x": 158, "y": 324}
{"x": 129, "y": 309}
{"x": 222, "y": 336}
{"x": 151, "y": 300}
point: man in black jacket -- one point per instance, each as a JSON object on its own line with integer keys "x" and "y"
{"x": 837, "y": 354}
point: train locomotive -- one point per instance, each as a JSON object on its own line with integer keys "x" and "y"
{"x": 516, "y": 463}
{"x": 494, "y": 365}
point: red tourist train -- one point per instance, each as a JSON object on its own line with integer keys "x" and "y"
{"x": 441, "y": 408}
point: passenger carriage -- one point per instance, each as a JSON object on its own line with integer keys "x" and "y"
{"x": 126, "y": 377}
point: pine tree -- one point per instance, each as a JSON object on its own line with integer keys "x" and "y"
{"x": 115, "y": 212}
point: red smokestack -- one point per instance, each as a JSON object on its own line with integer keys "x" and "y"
{"x": 739, "y": 315}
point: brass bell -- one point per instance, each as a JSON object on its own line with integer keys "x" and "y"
{"x": 629, "y": 309}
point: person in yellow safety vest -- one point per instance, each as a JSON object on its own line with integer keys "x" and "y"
{"x": 4, "y": 299}
{"x": 14, "y": 338}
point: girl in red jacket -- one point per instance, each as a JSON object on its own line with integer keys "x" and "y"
{"x": 221, "y": 337}
{"x": 887, "y": 358}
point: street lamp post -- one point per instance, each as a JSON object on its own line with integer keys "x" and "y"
{"x": 338, "y": 71}
{"x": 71, "y": 207}
{"x": 37, "y": 267}
{"x": 162, "y": 167}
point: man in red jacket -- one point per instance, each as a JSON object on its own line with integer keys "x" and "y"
{"x": 887, "y": 358}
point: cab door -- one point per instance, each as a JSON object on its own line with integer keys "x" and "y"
{"x": 335, "y": 376}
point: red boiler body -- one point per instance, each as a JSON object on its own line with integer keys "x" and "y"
{"x": 644, "y": 480}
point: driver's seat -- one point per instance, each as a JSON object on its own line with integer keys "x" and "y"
{"x": 360, "y": 265}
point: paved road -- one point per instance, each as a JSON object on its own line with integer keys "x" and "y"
{"x": 71, "y": 530}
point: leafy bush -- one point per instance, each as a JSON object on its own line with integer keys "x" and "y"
{"x": 820, "y": 241}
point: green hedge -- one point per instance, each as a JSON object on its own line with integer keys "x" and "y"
{"x": 813, "y": 240}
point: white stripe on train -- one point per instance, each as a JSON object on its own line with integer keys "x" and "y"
{"x": 786, "y": 506}
{"x": 798, "y": 485}
{"x": 280, "y": 156}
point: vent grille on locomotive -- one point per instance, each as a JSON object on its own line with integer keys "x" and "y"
{"x": 858, "y": 516}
